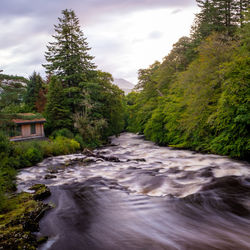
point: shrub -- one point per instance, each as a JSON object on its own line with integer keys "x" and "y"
{"x": 5, "y": 145}
{"x": 63, "y": 132}
{"x": 79, "y": 139}
{"x": 46, "y": 148}
{"x": 25, "y": 154}
{"x": 62, "y": 145}
{"x": 33, "y": 155}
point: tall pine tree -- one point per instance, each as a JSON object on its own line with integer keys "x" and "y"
{"x": 218, "y": 16}
{"x": 68, "y": 57}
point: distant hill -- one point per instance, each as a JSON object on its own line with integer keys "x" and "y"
{"x": 123, "y": 84}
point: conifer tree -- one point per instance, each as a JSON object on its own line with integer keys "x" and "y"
{"x": 34, "y": 86}
{"x": 76, "y": 86}
{"x": 68, "y": 57}
{"x": 57, "y": 113}
{"x": 218, "y": 16}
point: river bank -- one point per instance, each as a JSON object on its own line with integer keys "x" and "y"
{"x": 17, "y": 210}
{"x": 21, "y": 220}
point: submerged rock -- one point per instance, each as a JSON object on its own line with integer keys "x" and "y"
{"x": 53, "y": 171}
{"x": 50, "y": 176}
{"x": 42, "y": 240}
{"x": 41, "y": 191}
{"x": 99, "y": 156}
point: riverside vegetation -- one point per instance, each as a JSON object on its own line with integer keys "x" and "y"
{"x": 82, "y": 108}
{"x": 197, "y": 98}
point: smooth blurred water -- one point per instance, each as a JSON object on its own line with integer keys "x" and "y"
{"x": 154, "y": 198}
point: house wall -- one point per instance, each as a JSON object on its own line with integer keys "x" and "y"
{"x": 39, "y": 129}
{"x": 26, "y": 131}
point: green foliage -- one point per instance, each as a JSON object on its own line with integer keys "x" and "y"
{"x": 108, "y": 104}
{"x": 202, "y": 106}
{"x": 90, "y": 130}
{"x": 57, "y": 111}
{"x": 33, "y": 155}
{"x": 33, "y": 87}
{"x": 155, "y": 127}
{"x": 24, "y": 154}
{"x": 11, "y": 78}
{"x": 80, "y": 140}
{"x": 232, "y": 118}
{"x": 63, "y": 132}
{"x": 59, "y": 146}
{"x": 7, "y": 177}
{"x": 68, "y": 57}
{"x": 7, "y": 173}
{"x": 218, "y": 16}
{"x": 80, "y": 98}
{"x": 5, "y": 144}
{"x": 28, "y": 116}
{"x": 12, "y": 91}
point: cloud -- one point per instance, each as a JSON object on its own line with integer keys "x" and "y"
{"x": 117, "y": 31}
{"x": 175, "y": 11}
{"x": 48, "y": 7}
{"x": 155, "y": 34}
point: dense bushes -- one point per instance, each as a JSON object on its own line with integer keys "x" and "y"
{"x": 59, "y": 146}
{"x": 198, "y": 97}
{"x": 7, "y": 172}
{"x": 205, "y": 107}
{"x": 24, "y": 154}
{"x": 29, "y": 153}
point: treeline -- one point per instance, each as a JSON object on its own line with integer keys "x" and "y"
{"x": 75, "y": 95}
{"x": 198, "y": 97}
{"x": 81, "y": 105}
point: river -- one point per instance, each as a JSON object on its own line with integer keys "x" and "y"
{"x": 151, "y": 198}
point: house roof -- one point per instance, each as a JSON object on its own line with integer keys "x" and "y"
{"x": 30, "y": 120}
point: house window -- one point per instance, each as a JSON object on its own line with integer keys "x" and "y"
{"x": 18, "y": 130}
{"x": 33, "y": 129}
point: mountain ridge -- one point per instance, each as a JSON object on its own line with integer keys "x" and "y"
{"x": 124, "y": 85}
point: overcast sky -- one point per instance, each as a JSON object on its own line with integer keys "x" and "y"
{"x": 125, "y": 35}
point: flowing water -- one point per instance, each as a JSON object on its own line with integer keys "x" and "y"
{"x": 152, "y": 198}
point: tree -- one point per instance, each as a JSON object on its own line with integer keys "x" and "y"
{"x": 68, "y": 57}
{"x": 57, "y": 112}
{"x": 102, "y": 109}
{"x": 218, "y": 16}
{"x": 111, "y": 104}
{"x": 86, "y": 100}
{"x": 12, "y": 91}
{"x": 41, "y": 100}
{"x": 34, "y": 87}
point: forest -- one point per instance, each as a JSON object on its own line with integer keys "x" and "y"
{"x": 198, "y": 96}
{"x": 81, "y": 105}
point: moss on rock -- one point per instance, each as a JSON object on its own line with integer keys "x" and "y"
{"x": 41, "y": 192}
{"x": 21, "y": 219}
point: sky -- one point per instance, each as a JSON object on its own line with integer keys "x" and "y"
{"x": 124, "y": 35}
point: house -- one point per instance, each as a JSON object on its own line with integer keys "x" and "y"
{"x": 28, "y": 127}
